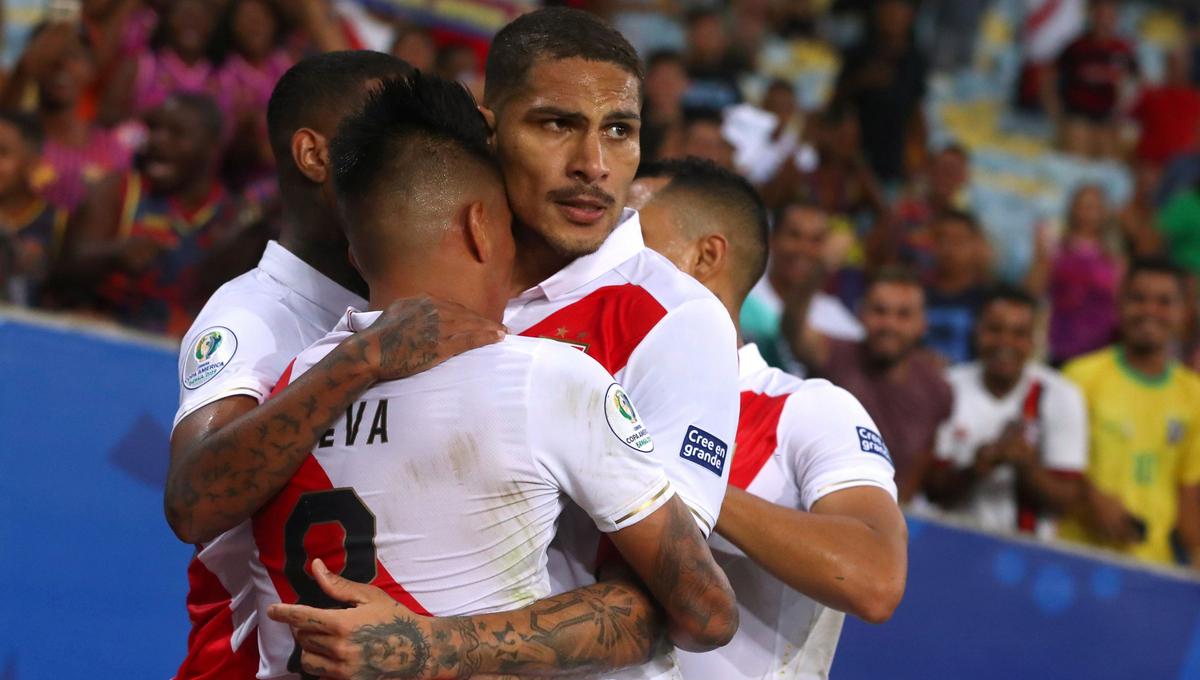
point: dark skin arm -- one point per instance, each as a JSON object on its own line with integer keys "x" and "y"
{"x": 850, "y": 552}
{"x": 229, "y": 458}
{"x": 604, "y": 626}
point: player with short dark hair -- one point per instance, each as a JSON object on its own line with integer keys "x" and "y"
{"x": 565, "y": 124}
{"x": 461, "y": 509}
{"x": 229, "y": 454}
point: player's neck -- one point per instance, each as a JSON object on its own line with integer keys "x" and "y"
{"x": 1150, "y": 362}
{"x": 535, "y": 262}
{"x": 415, "y": 282}
{"x": 315, "y": 236}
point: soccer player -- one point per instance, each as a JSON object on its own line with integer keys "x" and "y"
{"x": 562, "y": 99}
{"x": 812, "y": 502}
{"x": 1012, "y": 455}
{"x": 228, "y": 455}
{"x": 453, "y": 515}
{"x": 1144, "y": 428}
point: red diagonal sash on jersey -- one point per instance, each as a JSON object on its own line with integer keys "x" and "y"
{"x": 608, "y": 323}
{"x": 756, "y": 436}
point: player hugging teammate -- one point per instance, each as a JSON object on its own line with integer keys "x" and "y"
{"x": 538, "y": 495}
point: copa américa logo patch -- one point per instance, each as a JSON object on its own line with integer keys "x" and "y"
{"x": 624, "y": 420}
{"x": 211, "y": 352}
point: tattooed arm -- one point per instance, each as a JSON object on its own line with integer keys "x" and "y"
{"x": 670, "y": 555}
{"x": 601, "y": 627}
{"x": 232, "y": 456}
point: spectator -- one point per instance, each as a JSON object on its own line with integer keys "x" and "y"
{"x": 415, "y": 46}
{"x": 702, "y": 138}
{"x": 1179, "y": 224}
{"x": 60, "y": 64}
{"x": 900, "y": 385}
{"x": 713, "y": 69}
{"x": 1013, "y": 453}
{"x": 956, "y": 284}
{"x": 251, "y": 35}
{"x": 767, "y": 158}
{"x": 662, "y": 109}
{"x": 1091, "y": 71}
{"x": 884, "y": 78}
{"x": 32, "y": 228}
{"x": 1083, "y": 280}
{"x": 178, "y": 63}
{"x": 1141, "y": 238}
{"x": 143, "y": 240}
{"x": 836, "y": 177}
{"x": 1168, "y": 114}
{"x": 1144, "y": 428}
{"x": 905, "y": 239}
{"x": 798, "y": 267}
{"x": 458, "y": 61}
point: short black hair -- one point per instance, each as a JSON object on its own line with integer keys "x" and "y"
{"x": 1157, "y": 265}
{"x": 203, "y": 106}
{"x": 715, "y": 190}
{"x": 702, "y": 114}
{"x": 318, "y": 84}
{"x": 27, "y": 125}
{"x": 418, "y": 119}
{"x": 1010, "y": 294}
{"x": 794, "y": 204}
{"x": 555, "y": 33}
{"x": 900, "y": 276}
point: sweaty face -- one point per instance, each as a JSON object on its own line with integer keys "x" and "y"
{"x": 660, "y": 228}
{"x": 15, "y": 159}
{"x": 1152, "y": 311}
{"x": 178, "y": 146}
{"x": 798, "y": 242}
{"x": 1004, "y": 337}
{"x": 893, "y": 316}
{"x": 568, "y": 145}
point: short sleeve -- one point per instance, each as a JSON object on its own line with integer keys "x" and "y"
{"x": 683, "y": 377}
{"x": 1064, "y": 426}
{"x": 235, "y": 352}
{"x": 831, "y": 444}
{"x": 588, "y": 439}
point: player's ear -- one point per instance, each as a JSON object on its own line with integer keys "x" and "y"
{"x": 489, "y": 116}
{"x": 710, "y": 257}
{"x": 310, "y": 153}
{"x": 475, "y": 231}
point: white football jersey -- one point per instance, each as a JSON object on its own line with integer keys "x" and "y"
{"x": 445, "y": 488}
{"x": 240, "y": 342}
{"x": 798, "y": 441}
{"x": 1042, "y": 396}
{"x": 671, "y": 344}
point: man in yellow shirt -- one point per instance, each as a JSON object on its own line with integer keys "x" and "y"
{"x": 1144, "y": 428}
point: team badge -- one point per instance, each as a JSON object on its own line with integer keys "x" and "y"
{"x": 624, "y": 420}
{"x": 213, "y": 350}
{"x": 1174, "y": 431}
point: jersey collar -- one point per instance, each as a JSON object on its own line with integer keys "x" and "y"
{"x": 354, "y": 321}
{"x": 750, "y": 361}
{"x": 623, "y": 243}
{"x": 297, "y": 275}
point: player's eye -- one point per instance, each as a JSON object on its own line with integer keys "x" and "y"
{"x": 619, "y": 131}
{"x": 557, "y": 124}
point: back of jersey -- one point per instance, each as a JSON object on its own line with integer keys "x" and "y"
{"x": 444, "y": 489}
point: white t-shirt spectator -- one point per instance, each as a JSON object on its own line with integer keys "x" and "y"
{"x": 1043, "y": 397}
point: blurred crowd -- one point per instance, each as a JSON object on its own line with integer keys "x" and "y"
{"x": 136, "y": 177}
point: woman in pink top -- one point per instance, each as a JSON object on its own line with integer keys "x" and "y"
{"x": 1084, "y": 278}
{"x": 251, "y": 32}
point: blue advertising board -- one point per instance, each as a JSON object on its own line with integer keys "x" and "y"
{"x": 93, "y": 581}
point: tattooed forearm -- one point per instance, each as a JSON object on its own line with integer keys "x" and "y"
{"x": 222, "y": 471}
{"x": 601, "y": 627}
